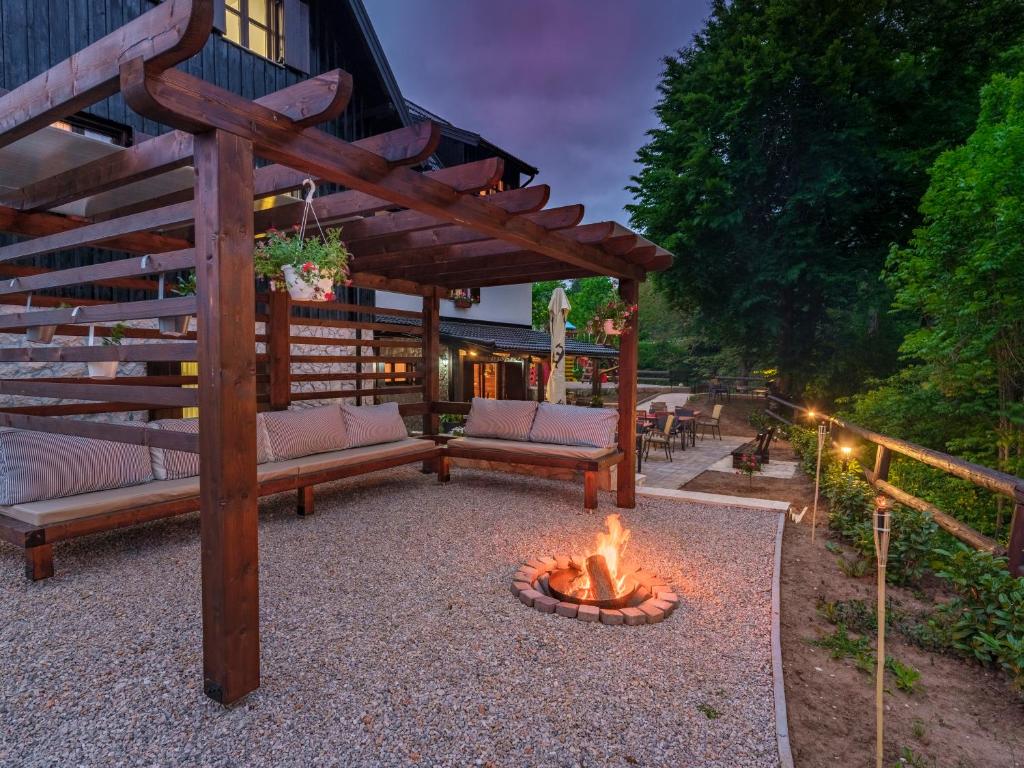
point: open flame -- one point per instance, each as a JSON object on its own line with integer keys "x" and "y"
{"x": 609, "y": 545}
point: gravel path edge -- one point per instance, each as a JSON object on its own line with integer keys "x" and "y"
{"x": 781, "y": 720}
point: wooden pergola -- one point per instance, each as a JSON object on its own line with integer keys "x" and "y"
{"x": 419, "y": 233}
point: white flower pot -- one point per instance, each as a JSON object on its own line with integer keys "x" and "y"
{"x": 103, "y": 369}
{"x": 303, "y": 291}
{"x": 610, "y": 329}
{"x": 175, "y": 325}
{"x": 40, "y": 334}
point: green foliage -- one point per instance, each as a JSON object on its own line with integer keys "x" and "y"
{"x": 117, "y": 335}
{"x": 905, "y": 676}
{"x": 841, "y": 645}
{"x": 313, "y": 258}
{"x": 186, "y": 284}
{"x": 585, "y": 296}
{"x": 985, "y": 621}
{"x": 792, "y": 149}
{"x": 708, "y": 711}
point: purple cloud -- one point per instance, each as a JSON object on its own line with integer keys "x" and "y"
{"x": 567, "y": 85}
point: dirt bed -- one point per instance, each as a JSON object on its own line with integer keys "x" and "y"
{"x": 959, "y": 714}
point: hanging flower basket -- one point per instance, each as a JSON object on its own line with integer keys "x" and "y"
{"x": 308, "y": 269}
{"x": 612, "y": 319}
{"x": 463, "y": 302}
{"x": 40, "y": 334}
{"x": 177, "y": 325}
{"x": 106, "y": 369}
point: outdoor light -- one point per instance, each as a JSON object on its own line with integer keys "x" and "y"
{"x": 846, "y": 451}
{"x": 822, "y": 432}
{"x": 881, "y": 531}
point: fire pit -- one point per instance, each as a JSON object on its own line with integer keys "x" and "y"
{"x": 596, "y": 587}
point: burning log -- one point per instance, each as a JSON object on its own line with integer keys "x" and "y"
{"x": 601, "y": 585}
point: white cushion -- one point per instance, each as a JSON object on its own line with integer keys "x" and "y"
{"x": 41, "y": 465}
{"x": 373, "y": 424}
{"x": 309, "y": 464}
{"x": 504, "y": 419}
{"x": 304, "y": 431}
{"x": 573, "y": 425}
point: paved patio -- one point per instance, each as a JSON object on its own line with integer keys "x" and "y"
{"x": 390, "y": 638}
{"x": 658, "y": 472}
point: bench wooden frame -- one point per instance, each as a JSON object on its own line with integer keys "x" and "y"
{"x": 757, "y": 447}
{"x": 38, "y": 540}
{"x": 589, "y": 467}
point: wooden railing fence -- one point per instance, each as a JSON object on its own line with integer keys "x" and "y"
{"x": 993, "y": 480}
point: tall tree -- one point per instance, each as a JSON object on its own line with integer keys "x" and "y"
{"x": 793, "y": 147}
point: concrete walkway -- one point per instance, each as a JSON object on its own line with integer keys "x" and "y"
{"x": 658, "y": 472}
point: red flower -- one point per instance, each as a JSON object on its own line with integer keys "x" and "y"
{"x": 329, "y": 296}
{"x": 348, "y": 283}
{"x": 308, "y": 266}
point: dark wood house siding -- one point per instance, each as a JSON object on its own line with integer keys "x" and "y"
{"x": 36, "y": 34}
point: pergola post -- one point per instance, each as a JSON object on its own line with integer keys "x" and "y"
{"x": 1015, "y": 549}
{"x": 227, "y": 415}
{"x": 625, "y": 496}
{"x": 431, "y": 374}
{"x": 278, "y": 347}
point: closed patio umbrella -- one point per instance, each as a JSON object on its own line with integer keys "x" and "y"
{"x": 558, "y": 311}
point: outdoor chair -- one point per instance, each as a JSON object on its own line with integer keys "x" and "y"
{"x": 659, "y": 407}
{"x": 685, "y": 426}
{"x": 660, "y": 435}
{"x": 713, "y": 423}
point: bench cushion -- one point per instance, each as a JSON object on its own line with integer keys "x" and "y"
{"x": 373, "y": 424}
{"x": 503, "y": 419}
{"x": 308, "y": 465}
{"x": 174, "y": 465}
{"x": 573, "y": 425}
{"x": 53, "y": 511}
{"x": 304, "y": 431}
{"x": 531, "y": 449}
{"x": 40, "y": 465}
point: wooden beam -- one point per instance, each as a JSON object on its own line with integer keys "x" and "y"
{"x": 125, "y": 353}
{"x": 185, "y": 101}
{"x": 526, "y": 200}
{"x": 39, "y": 225}
{"x": 1016, "y": 544}
{"x": 118, "y": 433}
{"x": 227, "y": 416}
{"x": 625, "y": 492}
{"x": 279, "y": 349}
{"x": 162, "y": 37}
{"x": 141, "y": 395}
{"x": 431, "y": 350}
{"x": 101, "y": 313}
{"x": 309, "y": 102}
{"x": 103, "y": 271}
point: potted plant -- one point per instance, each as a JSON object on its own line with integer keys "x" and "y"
{"x": 106, "y": 369}
{"x": 463, "y": 298}
{"x": 611, "y": 319}
{"x": 178, "y": 325}
{"x": 41, "y": 334}
{"x": 309, "y": 268}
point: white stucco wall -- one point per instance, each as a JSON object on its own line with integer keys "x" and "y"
{"x": 501, "y": 304}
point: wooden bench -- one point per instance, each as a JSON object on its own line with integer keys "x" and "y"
{"x": 59, "y": 520}
{"x": 589, "y": 461}
{"x": 757, "y": 447}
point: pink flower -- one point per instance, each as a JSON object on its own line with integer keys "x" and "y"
{"x": 348, "y": 283}
{"x": 329, "y": 296}
{"x": 308, "y": 266}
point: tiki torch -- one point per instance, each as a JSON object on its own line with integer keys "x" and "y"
{"x": 881, "y": 528}
{"x": 822, "y": 432}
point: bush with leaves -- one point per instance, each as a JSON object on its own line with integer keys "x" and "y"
{"x": 985, "y": 621}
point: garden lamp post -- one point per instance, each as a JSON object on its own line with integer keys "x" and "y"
{"x": 881, "y": 530}
{"x": 846, "y": 451}
{"x": 822, "y": 432}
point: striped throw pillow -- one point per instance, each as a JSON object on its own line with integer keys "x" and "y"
{"x": 174, "y": 465}
{"x": 573, "y": 425}
{"x": 373, "y": 424}
{"x": 304, "y": 431}
{"x": 38, "y": 465}
{"x": 502, "y": 419}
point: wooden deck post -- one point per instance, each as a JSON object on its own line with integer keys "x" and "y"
{"x": 431, "y": 374}
{"x": 882, "y": 459}
{"x": 1015, "y": 549}
{"x": 625, "y": 497}
{"x": 279, "y": 368}
{"x": 227, "y": 415}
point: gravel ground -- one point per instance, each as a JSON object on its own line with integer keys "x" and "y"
{"x": 390, "y": 638}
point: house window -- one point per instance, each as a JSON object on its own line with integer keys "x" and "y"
{"x": 397, "y": 370}
{"x": 257, "y": 25}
